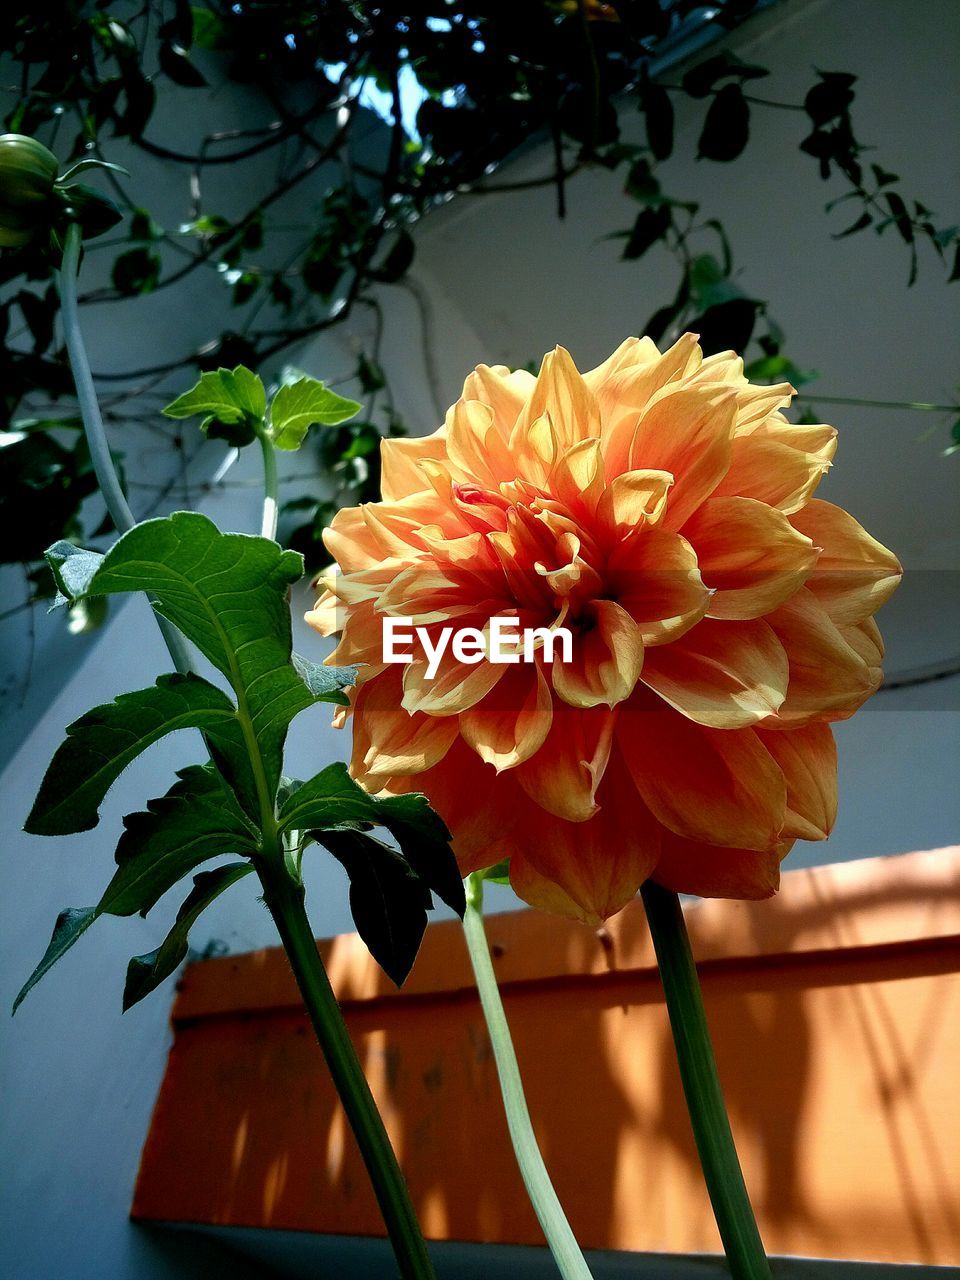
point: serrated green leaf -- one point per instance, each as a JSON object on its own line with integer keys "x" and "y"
{"x": 72, "y": 569}
{"x": 196, "y": 820}
{"x": 145, "y": 973}
{"x": 101, "y": 744}
{"x": 325, "y": 683}
{"x": 71, "y": 923}
{"x": 224, "y": 395}
{"x": 299, "y": 405}
{"x": 388, "y": 900}
{"x": 331, "y": 800}
{"x": 227, "y": 593}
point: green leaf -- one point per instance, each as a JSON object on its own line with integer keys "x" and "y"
{"x": 325, "y": 683}
{"x": 71, "y": 567}
{"x": 101, "y": 744}
{"x": 225, "y": 396}
{"x": 227, "y": 593}
{"x": 71, "y": 923}
{"x": 499, "y": 873}
{"x": 331, "y": 800}
{"x": 388, "y": 901}
{"x": 177, "y": 65}
{"x": 726, "y": 129}
{"x": 652, "y": 224}
{"x": 145, "y": 973}
{"x": 135, "y": 272}
{"x": 300, "y": 405}
{"x": 196, "y": 820}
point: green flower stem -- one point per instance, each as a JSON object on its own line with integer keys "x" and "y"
{"x": 103, "y": 466}
{"x": 283, "y": 895}
{"x": 701, "y": 1086}
{"x": 285, "y": 900}
{"x": 269, "y": 527}
{"x": 566, "y": 1252}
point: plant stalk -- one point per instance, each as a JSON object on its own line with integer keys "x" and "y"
{"x": 268, "y": 528}
{"x": 100, "y": 456}
{"x": 285, "y": 900}
{"x": 563, "y": 1245}
{"x": 284, "y": 896}
{"x": 701, "y": 1086}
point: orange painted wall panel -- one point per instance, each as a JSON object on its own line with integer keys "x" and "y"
{"x": 836, "y": 1016}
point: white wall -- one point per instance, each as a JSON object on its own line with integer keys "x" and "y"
{"x": 501, "y": 279}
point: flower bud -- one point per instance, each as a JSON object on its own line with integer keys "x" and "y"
{"x": 28, "y": 171}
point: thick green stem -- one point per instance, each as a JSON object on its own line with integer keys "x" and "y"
{"x": 563, "y": 1245}
{"x": 701, "y": 1086}
{"x": 285, "y": 900}
{"x": 268, "y": 529}
{"x": 103, "y": 466}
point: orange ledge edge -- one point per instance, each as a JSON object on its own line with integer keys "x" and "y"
{"x": 835, "y": 1012}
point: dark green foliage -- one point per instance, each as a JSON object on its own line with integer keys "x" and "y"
{"x": 227, "y": 593}
{"x": 87, "y": 73}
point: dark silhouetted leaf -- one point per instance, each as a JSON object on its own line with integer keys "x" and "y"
{"x": 726, "y": 129}
{"x": 145, "y": 973}
{"x": 332, "y": 800}
{"x": 861, "y": 224}
{"x": 727, "y": 326}
{"x": 651, "y": 225}
{"x": 175, "y": 63}
{"x": 136, "y": 271}
{"x": 388, "y": 900}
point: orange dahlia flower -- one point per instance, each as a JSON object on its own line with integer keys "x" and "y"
{"x": 660, "y": 508}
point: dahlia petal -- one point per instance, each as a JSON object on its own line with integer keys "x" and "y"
{"x": 361, "y": 640}
{"x": 607, "y": 659}
{"x": 508, "y": 726}
{"x": 562, "y": 396}
{"x": 686, "y": 432}
{"x": 476, "y": 449}
{"x": 577, "y": 477}
{"x": 655, "y": 577}
{"x": 750, "y": 555}
{"x": 635, "y": 498}
{"x": 327, "y": 616}
{"x": 771, "y": 472}
{"x": 855, "y": 573}
{"x": 585, "y": 870}
{"x": 720, "y": 786}
{"x": 866, "y": 639}
{"x": 428, "y": 594}
{"x": 625, "y": 391}
{"x": 476, "y": 805}
{"x": 808, "y": 758}
{"x": 829, "y": 678}
{"x": 817, "y": 439}
{"x": 504, "y": 391}
{"x": 563, "y": 778}
{"x": 388, "y": 740}
{"x": 453, "y": 689}
{"x": 724, "y": 674}
{"x": 631, "y": 353}
{"x": 400, "y": 470}
{"x": 690, "y": 866}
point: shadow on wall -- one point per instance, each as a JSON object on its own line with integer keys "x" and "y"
{"x": 834, "y": 1050}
